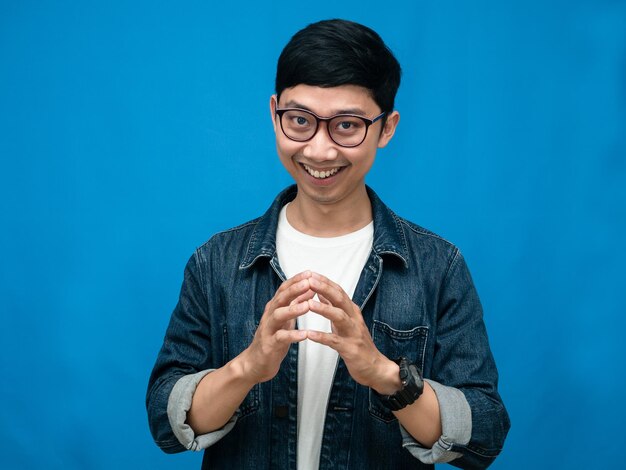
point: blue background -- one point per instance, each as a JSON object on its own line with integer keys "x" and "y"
{"x": 132, "y": 131}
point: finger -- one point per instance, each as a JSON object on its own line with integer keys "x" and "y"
{"x": 290, "y": 336}
{"x": 294, "y": 280}
{"x": 298, "y": 277}
{"x": 331, "y": 292}
{"x": 326, "y": 280}
{"x": 319, "y": 276}
{"x": 323, "y": 299}
{"x": 328, "y": 339}
{"x": 337, "y": 316}
{"x": 283, "y": 316}
{"x": 304, "y": 297}
{"x": 288, "y": 291}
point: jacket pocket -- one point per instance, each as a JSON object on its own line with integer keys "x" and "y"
{"x": 395, "y": 344}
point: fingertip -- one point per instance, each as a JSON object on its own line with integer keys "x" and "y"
{"x": 314, "y": 335}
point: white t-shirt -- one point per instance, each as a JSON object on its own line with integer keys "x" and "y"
{"x": 341, "y": 259}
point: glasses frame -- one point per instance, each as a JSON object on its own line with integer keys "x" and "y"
{"x": 368, "y": 122}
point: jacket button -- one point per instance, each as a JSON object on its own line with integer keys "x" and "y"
{"x": 281, "y": 411}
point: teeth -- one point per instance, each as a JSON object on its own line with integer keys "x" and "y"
{"x": 320, "y": 174}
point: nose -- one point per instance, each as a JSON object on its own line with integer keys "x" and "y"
{"x": 321, "y": 147}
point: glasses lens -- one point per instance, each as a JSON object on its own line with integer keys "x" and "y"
{"x": 298, "y": 124}
{"x": 347, "y": 130}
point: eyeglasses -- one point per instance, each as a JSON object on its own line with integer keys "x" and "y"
{"x": 346, "y": 130}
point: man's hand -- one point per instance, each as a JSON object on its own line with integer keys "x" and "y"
{"x": 350, "y": 337}
{"x": 276, "y": 332}
{"x": 221, "y": 392}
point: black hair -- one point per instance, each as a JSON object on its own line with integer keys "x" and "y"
{"x": 338, "y": 52}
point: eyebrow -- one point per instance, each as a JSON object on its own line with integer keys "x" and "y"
{"x": 357, "y": 111}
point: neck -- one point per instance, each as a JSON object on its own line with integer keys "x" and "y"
{"x": 330, "y": 220}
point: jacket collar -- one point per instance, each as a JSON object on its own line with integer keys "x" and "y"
{"x": 388, "y": 234}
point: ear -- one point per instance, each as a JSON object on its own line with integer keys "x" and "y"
{"x": 390, "y": 128}
{"x": 273, "y": 106}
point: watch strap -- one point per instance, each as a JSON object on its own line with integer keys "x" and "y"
{"x": 412, "y": 386}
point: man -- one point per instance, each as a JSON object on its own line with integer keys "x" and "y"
{"x": 329, "y": 333}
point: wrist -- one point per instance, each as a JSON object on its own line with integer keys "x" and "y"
{"x": 388, "y": 381}
{"x": 412, "y": 386}
{"x": 242, "y": 370}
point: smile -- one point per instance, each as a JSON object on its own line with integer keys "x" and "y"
{"x": 320, "y": 174}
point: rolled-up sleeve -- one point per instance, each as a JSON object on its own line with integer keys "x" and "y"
{"x": 464, "y": 364}
{"x": 178, "y": 405}
{"x": 456, "y": 427}
{"x": 184, "y": 359}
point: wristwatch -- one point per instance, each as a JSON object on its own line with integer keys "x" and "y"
{"x": 412, "y": 386}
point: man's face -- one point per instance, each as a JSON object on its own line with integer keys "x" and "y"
{"x": 325, "y": 172}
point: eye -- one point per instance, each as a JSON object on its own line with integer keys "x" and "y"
{"x": 347, "y": 125}
{"x": 298, "y": 119}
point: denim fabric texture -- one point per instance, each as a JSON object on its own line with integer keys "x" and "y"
{"x": 418, "y": 300}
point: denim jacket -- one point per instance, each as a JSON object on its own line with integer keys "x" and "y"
{"x": 418, "y": 301}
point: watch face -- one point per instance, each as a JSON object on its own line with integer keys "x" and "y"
{"x": 415, "y": 383}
